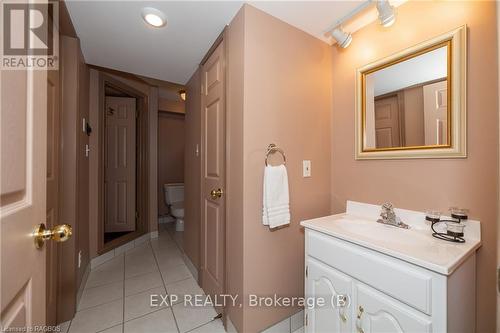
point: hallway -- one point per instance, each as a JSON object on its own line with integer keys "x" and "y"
{"x": 117, "y": 295}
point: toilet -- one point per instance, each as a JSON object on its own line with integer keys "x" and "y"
{"x": 174, "y": 198}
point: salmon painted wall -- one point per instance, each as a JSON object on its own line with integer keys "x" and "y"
{"x": 170, "y": 153}
{"x": 279, "y": 92}
{"x": 192, "y": 170}
{"x": 235, "y": 41}
{"x": 431, "y": 183}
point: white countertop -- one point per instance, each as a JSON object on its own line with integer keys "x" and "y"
{"x": 415, "y": 245}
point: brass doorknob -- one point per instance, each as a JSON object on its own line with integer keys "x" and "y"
{"x": 215, "y": 194}
{"x": 60, "y": 233}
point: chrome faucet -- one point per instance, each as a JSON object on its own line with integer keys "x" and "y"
{"x": 389, "y": 217}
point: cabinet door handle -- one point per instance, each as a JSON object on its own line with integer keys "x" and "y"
{"x": 343, "y": 317}
{"x": 358, "y": 321}
{"x": 360, "y": 311}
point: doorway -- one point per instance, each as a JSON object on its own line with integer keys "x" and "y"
{"x": 122, "y": 164}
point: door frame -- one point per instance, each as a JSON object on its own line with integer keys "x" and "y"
{"x": 222, "y": 37}
{"x": 142, "y": 164}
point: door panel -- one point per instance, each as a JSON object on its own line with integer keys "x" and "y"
{"x": 120, "y": 147}
{"x": 213, "y": 174}
{"x": 436, "y": 113}
{"x": 326, "y": 282}
{"x": 53, "y": 164}
{"x": 23, "y": 149}
{"x": 380, "y": 313}
{"x": 387, "y": 130}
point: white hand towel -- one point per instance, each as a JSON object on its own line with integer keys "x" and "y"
{"x": 276, "y": 207}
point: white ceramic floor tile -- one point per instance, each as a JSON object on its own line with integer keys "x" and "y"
{"x": 297, "y": 321}
{"x": 111, "y": 271}
{"x": 172, "y": 274}
{"x": 189, "y": 317}
{"x": 184, "y": 287}
{"x": 281, "y": 327}
{"x": 100, "y": 295}
{"x": 124, "y": 248}
{"x": 142, "y": 282}
{"x": 170, "y": 261}
{"x": 63, "y": 327}
{"x": 215, "y": 326}
{"x": 114, "y": 329}
{"x": 98, "y": 318}
{"x": 140, "y": 304}
{"x": 140, "y": 266}
{"x": 95, "y": 262}
{"x": 300, "y": 330}
{"x": 159, "y": 322}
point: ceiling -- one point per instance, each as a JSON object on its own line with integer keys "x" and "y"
{"x": 113, "y": 34}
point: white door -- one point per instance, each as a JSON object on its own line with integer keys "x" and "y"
{"x": 119, "y": 184}
{"x": 23, "y": 151}
{"x": 436, "y": 113}
{"x": 326, "y": 282}
{"x": 377, "y": 312}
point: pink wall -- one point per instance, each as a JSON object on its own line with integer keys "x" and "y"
{"x": 438, "y": 183}
{"x": 279, "y": 92}
{"x": 170, "y": 153}
{"x": 235, "y": 43}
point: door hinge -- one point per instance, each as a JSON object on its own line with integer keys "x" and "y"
{"x": 307, "y": 271}
{"x": 498, "y": 278}
{"x": 136, "y": 215}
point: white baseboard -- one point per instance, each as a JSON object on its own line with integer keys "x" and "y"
{"x": 192, "y": 268}
{"x": 293, "y": 324}
{"x": 122, "y": 249}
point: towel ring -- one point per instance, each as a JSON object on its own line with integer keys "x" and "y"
{"x": 272, "y": 148}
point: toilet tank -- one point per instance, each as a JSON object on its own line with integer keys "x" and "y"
{"x": 174, "y": 193}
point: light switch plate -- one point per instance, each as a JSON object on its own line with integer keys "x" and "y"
{"x": 306, "y": 168}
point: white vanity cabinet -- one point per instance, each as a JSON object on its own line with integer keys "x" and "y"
{"x": 393, "y": 283}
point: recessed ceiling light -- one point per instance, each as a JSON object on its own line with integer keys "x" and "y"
{"x": 154, "y": 17}
{"x": 386, "y": 13}
{"x": 343, "y": 38}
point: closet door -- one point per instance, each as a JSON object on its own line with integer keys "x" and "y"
{"x": 377, "y": 312}
{"x": 327, "y": 283}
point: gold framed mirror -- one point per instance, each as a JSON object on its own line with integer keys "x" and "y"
{"x": 413, "y": 104}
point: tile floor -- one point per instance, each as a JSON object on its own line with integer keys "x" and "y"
{"x": 116, "y": 298}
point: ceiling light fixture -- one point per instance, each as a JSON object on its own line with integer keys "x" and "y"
{"x": 386, "y": 13}
{"x": 343, "y": 38}
{"x": 182, "y": 94}
{"x": 154, "y": 17}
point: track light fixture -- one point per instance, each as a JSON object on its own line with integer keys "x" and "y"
{"x": 343, "y": 38}
{"x": 386, "y": 13}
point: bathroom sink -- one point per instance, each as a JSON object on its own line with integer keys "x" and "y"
{"x": 415, "y": 245}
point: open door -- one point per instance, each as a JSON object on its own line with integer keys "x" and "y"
{"x": 120, "y": 149}
{"x": 22, "y": 196}
{"x": 213, "y": 174}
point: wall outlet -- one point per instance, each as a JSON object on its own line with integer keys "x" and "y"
{"x": 306, "y": 168}
{"x": 79, "y": 258}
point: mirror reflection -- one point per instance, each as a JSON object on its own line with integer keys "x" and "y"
{"x": 406, "y": 102}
